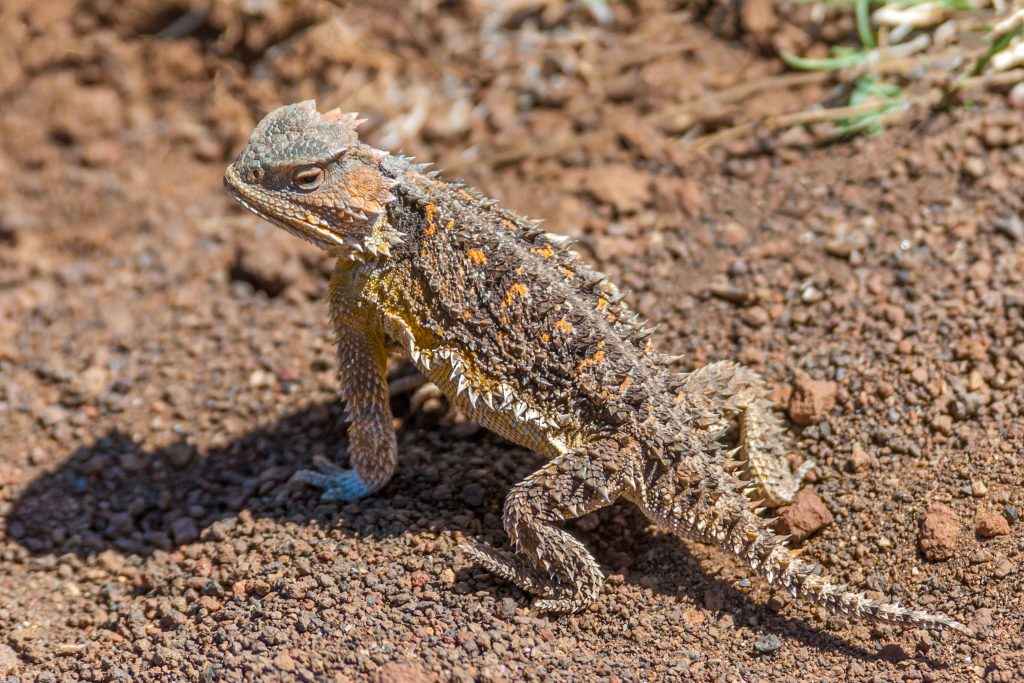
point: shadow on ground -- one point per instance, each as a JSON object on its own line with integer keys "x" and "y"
{"x": 114, "y": 496}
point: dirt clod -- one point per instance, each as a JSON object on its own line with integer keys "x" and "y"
{"x": 940, "y": 533}
{"x": 991, "y": 524}
{"x": 804, "y": 516}
{"x": 811, "y": 400}
{"x": 859, "y": 460}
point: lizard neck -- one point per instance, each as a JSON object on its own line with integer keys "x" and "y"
{"x": 381, "y": 238}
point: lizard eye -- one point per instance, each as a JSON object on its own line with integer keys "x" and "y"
{"x": 308, "y": 178}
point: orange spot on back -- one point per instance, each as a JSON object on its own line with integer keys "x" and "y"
{"x": 545, "y": 337}
{"x": 477, "y": 256}
{"x": 567, "y": 272}
{"x": 596, "y": 359}
{"x": 516, "y": 290}
{"x": 431, "y": 226}
{"x": 546, "y": 251}
{"x": 508, "y": 224}
{"x": 563, "y": 326}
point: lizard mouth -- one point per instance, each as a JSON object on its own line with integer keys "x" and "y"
{"x": 290, "y": 219}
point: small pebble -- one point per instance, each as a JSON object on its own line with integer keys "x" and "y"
{"x": 992, "y": 524}
{"x": 767, "y": 644}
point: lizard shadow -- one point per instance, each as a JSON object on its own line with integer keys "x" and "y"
{"x": 114, "y": 495}
{"x": 665, "y": 566}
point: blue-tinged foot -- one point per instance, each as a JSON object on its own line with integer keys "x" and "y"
{"x": 338, "y": 484}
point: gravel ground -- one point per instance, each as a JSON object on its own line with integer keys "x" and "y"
{"x": 165, "y": 363}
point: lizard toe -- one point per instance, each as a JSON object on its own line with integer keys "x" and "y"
{"x": 551, "y": 596}
{"x": 338, "y": 485}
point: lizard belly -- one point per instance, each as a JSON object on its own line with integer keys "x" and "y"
{"x": 490, "y": 403}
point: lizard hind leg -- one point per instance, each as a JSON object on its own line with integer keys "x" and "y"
{"x": 740, "y": 393}
{"x": 547, "y": 561}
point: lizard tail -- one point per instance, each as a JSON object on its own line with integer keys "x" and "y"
{"x": 719, "y": 516}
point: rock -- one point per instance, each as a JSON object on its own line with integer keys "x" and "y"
{"x": 506, "y": 609}
{"x": 758, "y": 18}
{"x": 284, "y": 662}
{"x": 1002, "y": 569}
{"x": 893, "y": 652}
{"x": 943, "y": 424}
{"x": 804, "y": 516}
{"x": 111, "y": 561}
{"x": 690, "y": 196}
{"x": 184, "y": 530}
{"x": 975, "y": 167}
{"x": 51, "y": 415}
{"x": 811, "y": 400}
{"x": 982, "y": 619}
{"x": 768, "y": 644}
{"x": 859, "y": 460}
{"x": 734, "y": 235}
{"x": 971, "y": 348}
{"x": 93, "y": 381}
{"x": 1016, "y": 96}
{"x": 620, "y": 186}
{"x": 939, "y": 534}
{"x": 171, "y": 618}
{"x": 978, "y": 488}
{"x": 401, "y": 672}
{"x": 991, "y": 524}
{"x": 473, "y": 494}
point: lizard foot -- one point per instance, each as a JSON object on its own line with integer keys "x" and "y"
{"x": 338, "y": 484}
{"x": 550, "y": 595}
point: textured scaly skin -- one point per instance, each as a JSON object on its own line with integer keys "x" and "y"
{"x": 535, "y": 346}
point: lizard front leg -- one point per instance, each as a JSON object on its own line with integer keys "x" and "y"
{"x": 362, "y": 371}
{"x": 547, "y": 561}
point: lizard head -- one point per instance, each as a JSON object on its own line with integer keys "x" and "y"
{"x": 309, "y": 174}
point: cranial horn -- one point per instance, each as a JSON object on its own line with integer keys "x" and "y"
{"x": 350, "y": 118}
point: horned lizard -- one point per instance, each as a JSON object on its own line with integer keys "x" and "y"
{"x": 506, "y": 321}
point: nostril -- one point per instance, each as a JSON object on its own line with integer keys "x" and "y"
{"x": 255, "y": 175}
